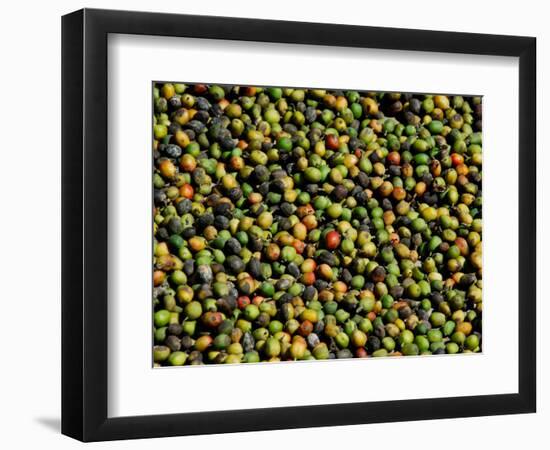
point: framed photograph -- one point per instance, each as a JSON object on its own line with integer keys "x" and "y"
{"x": 273, "y": 224}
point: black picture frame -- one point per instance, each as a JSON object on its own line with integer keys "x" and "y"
{"x": 84, "y": 224}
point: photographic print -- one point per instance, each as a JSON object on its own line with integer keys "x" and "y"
{"x": 300, "y": 224}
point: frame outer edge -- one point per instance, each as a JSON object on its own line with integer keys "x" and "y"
{"x": 72, "y": 319}
{"x": 527, "y": 212}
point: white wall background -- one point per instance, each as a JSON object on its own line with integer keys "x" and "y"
{"x": 30, "y": 192}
